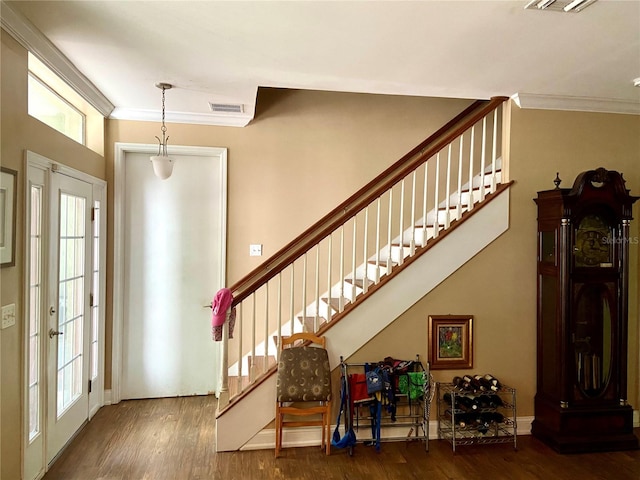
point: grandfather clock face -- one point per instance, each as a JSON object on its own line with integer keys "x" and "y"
{"x": 593, "y": 243}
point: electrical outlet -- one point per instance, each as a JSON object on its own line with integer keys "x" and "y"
{"x": 255, "y": 250}
{"x": 8, "y": 315}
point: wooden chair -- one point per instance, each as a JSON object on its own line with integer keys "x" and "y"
{"x": 303, "y": 377}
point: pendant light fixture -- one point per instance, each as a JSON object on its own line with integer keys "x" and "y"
{"x": 162, "y": 163}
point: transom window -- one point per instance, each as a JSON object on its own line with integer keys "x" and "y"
{"x": 49, "y": 106}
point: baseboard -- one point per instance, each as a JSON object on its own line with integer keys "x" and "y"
{"x": 312, "y": 436}
{"x": 291, "y": 437}
{"x": 107, "y": 397}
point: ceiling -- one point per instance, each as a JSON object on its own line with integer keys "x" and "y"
{"x": 222, "y": 52}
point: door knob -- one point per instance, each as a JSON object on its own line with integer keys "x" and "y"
{"x": 53, "y": 333}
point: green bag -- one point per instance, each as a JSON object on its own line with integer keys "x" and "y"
{"x": 412, "y": 384}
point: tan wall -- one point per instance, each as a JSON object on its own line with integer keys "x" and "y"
{"x": 498, "y": 286}
{"x": 304, "y": 153}
{"x": 20, "y": 133}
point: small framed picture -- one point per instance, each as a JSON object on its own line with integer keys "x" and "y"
{"x": 451, "y": 341}
{"x": 8, "y": 217}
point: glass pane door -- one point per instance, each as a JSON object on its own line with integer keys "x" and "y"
{"x": 71, "y": 305}
{"x": 69, "y": 310}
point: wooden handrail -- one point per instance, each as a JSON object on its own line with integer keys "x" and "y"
{"x": 363, "y": 197}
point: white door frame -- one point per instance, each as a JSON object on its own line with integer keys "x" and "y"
{"x": 120, "y": 152}
{"x": 49, "y": 167}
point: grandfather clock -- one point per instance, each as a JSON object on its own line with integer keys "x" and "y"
{"x": 583, "y": 277}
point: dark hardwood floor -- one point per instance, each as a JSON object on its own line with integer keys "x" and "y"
{"x": 173, "y": 439}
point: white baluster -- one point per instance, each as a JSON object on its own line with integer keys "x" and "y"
{"x": 266, "y": 328}
{"x": 377, "y": 273}
{"x": 401, "y": 248}
{"x": 354, "y": 260}
{"x": 459, "y": 209}
{"x": 447, "y": 202}
{"x": 292, "y": 303}
{"x": 471, "y": 148}
{"x": 424, "y": 203}
{"x": 304, "y": 293}
{"x": 482, "y": 158}
{"x": 316, "y": 317}
{"x": 223, "y": 396}
{"x": 253, "y": 367}
{"x": 329, "y": 270}
{"x": 412, "y": 244}
{"x": 389, "y": 229}
{"x": 436, "y": 221}
{"x": 365, "y": 285}
{"x": 341, "y": 274}
{"x": 493, "y": 152}
{"x": 238, "y": 329}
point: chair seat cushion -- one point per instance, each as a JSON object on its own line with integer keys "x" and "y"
{"x": 303, "y": 375}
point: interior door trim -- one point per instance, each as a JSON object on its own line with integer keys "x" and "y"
{"x": 120, "y": 152}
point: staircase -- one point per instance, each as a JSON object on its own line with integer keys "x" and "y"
{"x": 388, "y": 232}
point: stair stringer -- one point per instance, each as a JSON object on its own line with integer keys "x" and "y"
{"x": 236, "y": 430}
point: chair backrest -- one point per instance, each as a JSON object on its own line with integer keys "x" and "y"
{"x": 304, "y": 374}
{"x": 304, "y": 336}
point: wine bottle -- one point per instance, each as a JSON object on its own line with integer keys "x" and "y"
{"x": 457, "y": 382}
{"x": 493, "y": 381}
{"x": 467, "y": 403}
{"x": 459, "y": 418}
{"x": 498, "y": 417}
{"x": 495, "y": 401}
{"x": 491, "y": 417}
{"x": 479, "y": 385}
{"x": 450, "y": 401}
{"x": 486, "y": 385}
{"x": 467, "y": 383}
{"x": 483, "y": 427}
{"x": 484, "y": 401}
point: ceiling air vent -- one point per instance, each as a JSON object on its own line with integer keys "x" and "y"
{"x": 567, "y": 6}
{"x": 226, "y": 107}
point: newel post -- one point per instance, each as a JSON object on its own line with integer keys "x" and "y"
{"x": 223, "y": 396}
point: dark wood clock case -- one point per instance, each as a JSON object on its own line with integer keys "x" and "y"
{"x": 583, "y": 279}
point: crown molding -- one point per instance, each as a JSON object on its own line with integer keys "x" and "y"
{"x": 25, "y": 33}
{"x": 224, "y": 120}
{"x": 576, "y": 104}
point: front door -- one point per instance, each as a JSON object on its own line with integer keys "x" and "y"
{"x": 69, "y": 328}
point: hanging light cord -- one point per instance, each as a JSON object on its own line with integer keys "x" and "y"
{"x": 162, "y": 148}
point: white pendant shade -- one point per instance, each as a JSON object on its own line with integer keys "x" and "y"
{"x": 162, "y": 166}
{"x": 162, "y": 163}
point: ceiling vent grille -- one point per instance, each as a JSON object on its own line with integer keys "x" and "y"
{"x": 226, "y": 107}
{"x": 567, "y": 6}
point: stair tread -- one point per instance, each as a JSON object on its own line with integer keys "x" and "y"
{"x": 382, "y": 263}
{"x": 359, "y": 282}
{"x": 475, "y": 189}
{"x": 309, "y": 322}
{"x": 335, "y": 302}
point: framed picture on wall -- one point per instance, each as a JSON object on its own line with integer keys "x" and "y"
{"x": 8, "y": 198}
{"x": 451, "y": 341}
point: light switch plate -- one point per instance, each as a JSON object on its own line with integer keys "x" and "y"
{"x": 255, "y": 250}
{"x": 8, "y": 315}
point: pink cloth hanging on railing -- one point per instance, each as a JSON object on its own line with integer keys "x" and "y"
{"x": 220, "y": 304}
